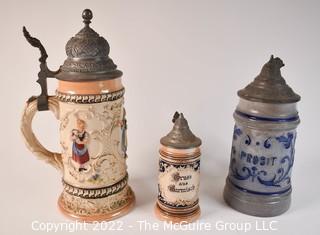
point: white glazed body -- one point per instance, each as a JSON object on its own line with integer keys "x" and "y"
{"x": 179, "y": 179}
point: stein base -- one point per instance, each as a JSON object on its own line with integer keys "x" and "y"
{"x": 176, "y": 218}
{"x": 101, "y": 217}
{"x": 256, "y": 205}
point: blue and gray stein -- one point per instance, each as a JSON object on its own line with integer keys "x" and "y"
{"x": 262, "y": 153}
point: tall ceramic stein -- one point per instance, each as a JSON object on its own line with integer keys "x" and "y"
{"x": 262, "y": 155}
{"x": 89, "y": 105}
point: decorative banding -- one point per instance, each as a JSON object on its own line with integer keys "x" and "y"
{"x": 267, "y": 119}
{"x": 195, "y": 163}
{"x": 173, "y": 206}
{"x": 178, "y": 157}
{"x": 89, "y": 99}
{"x": 96, "y": 192}
{"x": 260, "y": 193}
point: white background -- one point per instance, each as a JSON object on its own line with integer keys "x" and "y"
{"x": 190, "y": 56}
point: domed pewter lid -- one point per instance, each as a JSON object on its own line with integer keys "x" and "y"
{"x": 180, "y": 137}
{"x": 269, "y": 86}
{"x": 88, "y": 56}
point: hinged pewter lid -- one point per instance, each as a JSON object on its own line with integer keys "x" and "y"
{"x": 180, "y": 136}
{"x": 269, "y": 86}
{"x": 88, "y": 56}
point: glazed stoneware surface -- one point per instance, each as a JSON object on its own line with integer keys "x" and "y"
{"x": 94, "y": 142}
{"x": 179, "y": 174}
{"x": 89, "y": 105}
{"x": 178, "y": 184}
{"x": 262, "y": 153}
{"x": 262, "y": 157}
{"x": 179, "y": 180}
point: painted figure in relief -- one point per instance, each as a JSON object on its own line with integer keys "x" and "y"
{"x": 80, "y": 138}
{"x": 123, "y": 126}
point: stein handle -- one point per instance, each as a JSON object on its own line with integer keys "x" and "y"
{"x": 32, "y": 143}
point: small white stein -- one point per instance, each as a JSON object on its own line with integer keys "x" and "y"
{"x": 179, "y": 174}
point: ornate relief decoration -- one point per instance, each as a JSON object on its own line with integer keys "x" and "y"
{"x": 87, "y": 66}
{"x": 98, "y": 157}
{"x": 89, "y": 99}
{"x": 99, "y": 206}
{"x": 97, "y": 192}
{"x": 87, "y": 44}
{"x": 88, "y": 56}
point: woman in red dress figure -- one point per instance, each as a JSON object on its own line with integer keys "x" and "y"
{"x": 80, "y": 138}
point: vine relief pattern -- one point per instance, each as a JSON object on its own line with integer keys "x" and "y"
{"x": 93, "y": 139}
{"x": 95, "y": 207}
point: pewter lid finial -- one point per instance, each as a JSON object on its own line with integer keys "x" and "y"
{"x": 175, "y": 116}
{"x": 88, "y": 56}
{"x": 180, "y": 136}
{"x": 269, "y": 86}
{"x": 87, "y": 16}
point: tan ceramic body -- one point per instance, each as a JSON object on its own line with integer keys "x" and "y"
{"x": 93, "y": 157}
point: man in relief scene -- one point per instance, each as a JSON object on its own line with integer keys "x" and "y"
{"x": 80, "y": 139}
{"x": 124, "y": 136}
{"x": 122, "y": 144}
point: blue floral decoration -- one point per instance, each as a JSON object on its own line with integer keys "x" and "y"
{"x": 236, "y": 132}
{"x": 285, "y": 140}
{"x": 248, "y": 140}
{"x": 282, "y": 174}
{"x": 267, "y": 143}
